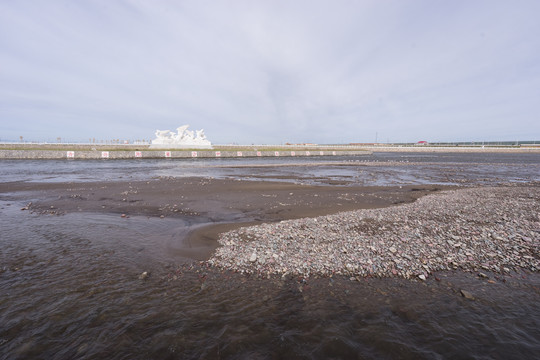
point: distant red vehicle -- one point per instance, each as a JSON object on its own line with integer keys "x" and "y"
{"x": 422, "y": 143}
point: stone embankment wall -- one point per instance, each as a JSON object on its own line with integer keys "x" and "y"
{"x": 454, "y": 149}
{"x": 156, "y": 154}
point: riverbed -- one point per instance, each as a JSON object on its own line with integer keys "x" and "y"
{"x": 101, "y": 265}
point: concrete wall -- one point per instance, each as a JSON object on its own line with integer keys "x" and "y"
{"x": 156, "y": 154}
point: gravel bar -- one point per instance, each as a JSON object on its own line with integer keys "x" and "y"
{"x": 492, "y": 229}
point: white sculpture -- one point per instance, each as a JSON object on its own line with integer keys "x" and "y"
{"x": 184, "y": 138}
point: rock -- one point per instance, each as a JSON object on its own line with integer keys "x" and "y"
{"x": 123, "y": 215}
{"x": 482, "y": 275}
{"x": 392, "y": 249}
{"x": 496, "y": 237}
{"x": 422, "y": 277}
{"x": 466, "y": 294}
{"x": 253, "y": 257}
{"x": 143, "y": 276}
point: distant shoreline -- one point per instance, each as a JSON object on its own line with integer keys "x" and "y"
{"x": 299, "y": 149}
{"x": 455, "y": 149}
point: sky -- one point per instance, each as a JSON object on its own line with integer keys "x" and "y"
{"x": 271, "y": 72}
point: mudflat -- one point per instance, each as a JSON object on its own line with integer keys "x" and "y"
{"x": 210, "y": 206}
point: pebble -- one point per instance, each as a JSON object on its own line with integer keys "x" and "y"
{"x": 467, "y": 295}
{"x": 144, "y": 275}
{"x": 496, "y": 229}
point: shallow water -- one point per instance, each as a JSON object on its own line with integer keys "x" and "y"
{"x": 70, "y": 288}
{"x": 69, "y": 291}
{"x": 414, "y": 168}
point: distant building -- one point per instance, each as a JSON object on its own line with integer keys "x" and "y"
{"x": 422, "y": 142}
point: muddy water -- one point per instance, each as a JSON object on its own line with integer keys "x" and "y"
{"x": 70, "y": 288}
{"x": 379, "y": 169}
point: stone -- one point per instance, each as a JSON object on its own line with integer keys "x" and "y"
{"x": 467, "y": 295}
{"x": 253, "y": 257}
{"x": 422, "y": 277}
{"x": 143, "y": 276}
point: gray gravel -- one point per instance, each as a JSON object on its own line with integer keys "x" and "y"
{"x": 492, "y": 229}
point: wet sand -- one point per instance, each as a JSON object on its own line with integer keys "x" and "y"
{"x": 209, "y": 206}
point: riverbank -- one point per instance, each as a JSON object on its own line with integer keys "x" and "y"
{"x": 270, "y": 228}
{"x": 207, "y": 206}
{"x": 130, "y": 151}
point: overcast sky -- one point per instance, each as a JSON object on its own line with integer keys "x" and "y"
{"x": 271, "y": 71}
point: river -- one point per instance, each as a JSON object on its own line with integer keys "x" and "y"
{"x": 72, "y": 286}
